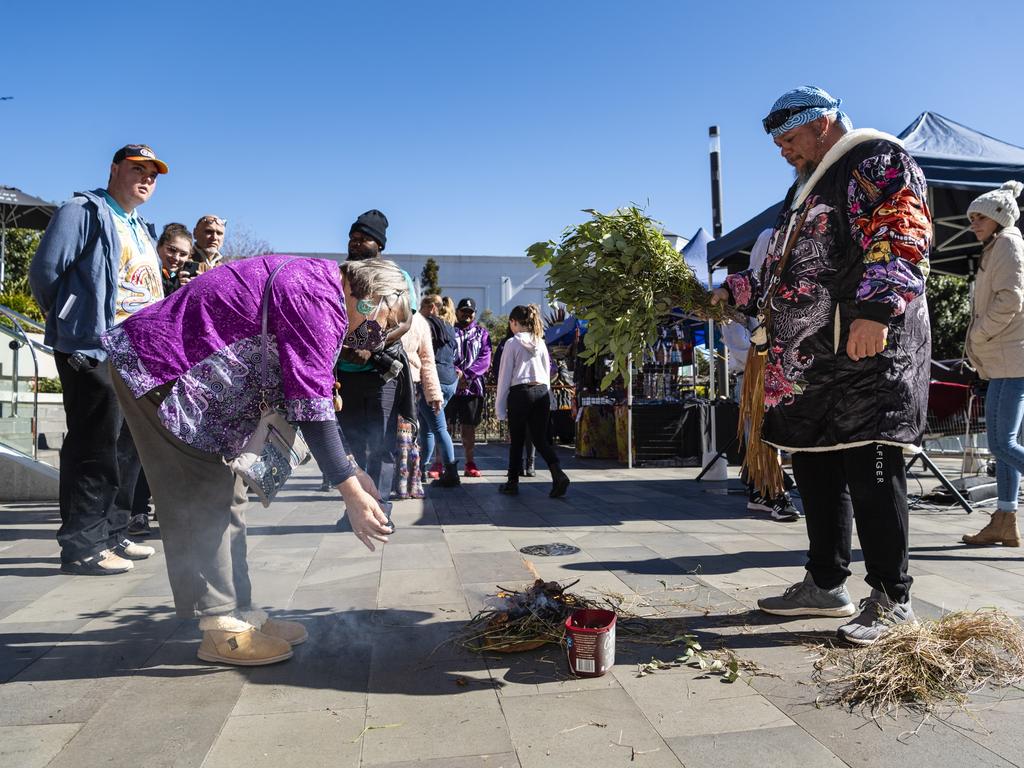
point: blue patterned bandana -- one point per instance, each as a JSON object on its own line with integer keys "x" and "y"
{"x": 801, "y": 106}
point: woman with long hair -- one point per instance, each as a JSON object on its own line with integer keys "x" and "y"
{"x": 433, "y": 429}
{"x": 995, "y": 347}
{"x": 524, "y": 397}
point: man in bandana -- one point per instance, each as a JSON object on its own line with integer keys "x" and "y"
{"x": 848, "y": 346}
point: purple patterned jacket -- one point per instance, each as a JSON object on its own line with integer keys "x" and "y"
{"x": 473, "y": 358}
{"x": 861, "y": 252}
{"x": 204, "y": 340}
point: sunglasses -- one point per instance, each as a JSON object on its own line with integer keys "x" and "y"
{"x": 779, "y": 117}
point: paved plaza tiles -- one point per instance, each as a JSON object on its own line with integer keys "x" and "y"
{"x": 99, "y": 672}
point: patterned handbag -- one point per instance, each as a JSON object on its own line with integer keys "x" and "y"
{"x": 276, "y": 448}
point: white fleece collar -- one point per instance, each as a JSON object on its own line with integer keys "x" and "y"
{"x": 849, "y": 140}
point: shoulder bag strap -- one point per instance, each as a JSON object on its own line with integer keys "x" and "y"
{"x": 264, "y": 342}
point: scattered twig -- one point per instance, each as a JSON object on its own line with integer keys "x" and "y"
{"x": 583, "y": 725}
{"x": 375, "y": 728}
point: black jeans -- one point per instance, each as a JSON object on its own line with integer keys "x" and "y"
{"x": 366, "y": 419}
{"x": 868, "y": 484}
{"x": 528, "y": 409}
{"x": 88, "y": 461}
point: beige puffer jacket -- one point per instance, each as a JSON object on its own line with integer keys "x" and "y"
{"x": 995, "y": 338}
{"x": 419, "y": 348}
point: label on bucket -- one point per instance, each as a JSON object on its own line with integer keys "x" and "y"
{"x": 594, "y": 653}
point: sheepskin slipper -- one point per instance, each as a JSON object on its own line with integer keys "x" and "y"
{"x": 249, "y": 648}
{"x": 292, "y": 632}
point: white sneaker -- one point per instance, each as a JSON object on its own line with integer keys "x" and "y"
{"x": 132, "y": 551}
{"x": 104, "y": 563}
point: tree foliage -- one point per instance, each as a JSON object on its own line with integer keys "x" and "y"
{"x": 21, "y": 247}
{"x": 496, "y": 326}
{"x": 242, "y": 243}
{"x": 430, "y": 277}
{"x": 618, "y": 272}
{"x": 949, "y": 309}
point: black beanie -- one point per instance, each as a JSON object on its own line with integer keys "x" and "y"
{"x": 374, "y": 224}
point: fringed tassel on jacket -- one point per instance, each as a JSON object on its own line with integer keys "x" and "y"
{"x": 761, "y": 460}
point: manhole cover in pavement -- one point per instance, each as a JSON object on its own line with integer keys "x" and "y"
{"x": 549, "y": 550}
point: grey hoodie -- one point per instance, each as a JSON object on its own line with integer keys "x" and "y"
{"x": 73, "y": 274}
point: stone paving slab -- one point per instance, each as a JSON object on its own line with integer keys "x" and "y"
{"x": 383, "y": 682}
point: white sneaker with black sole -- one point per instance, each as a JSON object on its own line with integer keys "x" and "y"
{"x": 131, "y": 550}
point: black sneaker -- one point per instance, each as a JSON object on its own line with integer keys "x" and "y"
{"x": 509, "y": 489}
{"x": 783, "y": 511}
{"x": 138, "y": 525}
{"x": 758, "y": 503}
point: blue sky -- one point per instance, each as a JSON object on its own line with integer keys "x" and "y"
{"x": 478, "y": 127}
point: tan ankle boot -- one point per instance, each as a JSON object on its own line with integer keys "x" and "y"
{"x": 1001, "y": 529}
{"x": 231, "y": 641}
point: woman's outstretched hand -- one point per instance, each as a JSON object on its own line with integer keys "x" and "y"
{"x": 368, "y": 521}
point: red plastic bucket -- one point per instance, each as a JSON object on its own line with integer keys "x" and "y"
{"x": 590, "y": 641}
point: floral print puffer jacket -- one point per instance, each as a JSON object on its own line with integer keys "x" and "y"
{"x": 861, "y": 252}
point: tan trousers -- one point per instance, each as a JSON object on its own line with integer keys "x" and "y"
{"x": 201, "y": 507}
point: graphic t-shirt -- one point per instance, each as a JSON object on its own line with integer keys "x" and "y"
{"x": 138, "y": 271}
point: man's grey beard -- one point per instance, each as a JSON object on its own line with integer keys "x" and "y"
{"x": 803, "y": 176}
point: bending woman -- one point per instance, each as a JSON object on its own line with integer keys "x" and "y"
{"x": 188, "y": 377}
{"x": 524, "y": 397}
{"x": 995, "y": 346}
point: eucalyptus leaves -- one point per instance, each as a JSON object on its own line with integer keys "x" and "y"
{"x": 619, "y": 273}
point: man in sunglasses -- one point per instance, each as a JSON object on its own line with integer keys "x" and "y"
{"x": 840, "y": 297}
{"x": 209, "y": 239}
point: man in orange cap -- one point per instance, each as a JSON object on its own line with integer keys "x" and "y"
{"x": 96, "y": 265}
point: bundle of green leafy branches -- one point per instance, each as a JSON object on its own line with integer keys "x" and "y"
{"x": 619, "y": 273}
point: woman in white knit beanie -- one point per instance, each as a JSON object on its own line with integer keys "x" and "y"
{"x": 995, "y": 346}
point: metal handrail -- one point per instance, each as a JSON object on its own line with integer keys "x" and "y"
{"x": 23, "y": 319}
{"x": 16, "y": 345}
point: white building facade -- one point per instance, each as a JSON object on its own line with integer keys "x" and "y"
{"x": 495, "y": 283}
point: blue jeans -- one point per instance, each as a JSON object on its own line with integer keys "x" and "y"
{"x": 433, "y": 428}
{"x": 1004, "y": 408}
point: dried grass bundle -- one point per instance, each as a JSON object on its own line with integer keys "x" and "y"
{"x": 920, "y": 666}
{"x": 760, "y": 459}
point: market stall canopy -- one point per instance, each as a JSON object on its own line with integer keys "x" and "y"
{"x": 18, "y": 209}
{"x": 959, "y": 164}
{"x": 564, "y": 332}
{"x": 695, "y": 253}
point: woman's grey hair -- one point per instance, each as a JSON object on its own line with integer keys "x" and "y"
{"x": 378, "y": 278}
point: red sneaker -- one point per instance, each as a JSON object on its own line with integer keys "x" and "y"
{"x": 435, "y": 471}
{"x": 471, "y": 470}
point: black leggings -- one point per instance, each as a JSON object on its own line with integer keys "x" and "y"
{"x": 528, "y": 408}
{"x": 868, "y": 484}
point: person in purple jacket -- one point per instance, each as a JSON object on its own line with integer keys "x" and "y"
{"x": 472, "y": 361}
{"x": 187, "y": 373}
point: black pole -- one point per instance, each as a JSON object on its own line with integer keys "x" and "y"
{"x": 716, "y": 181}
